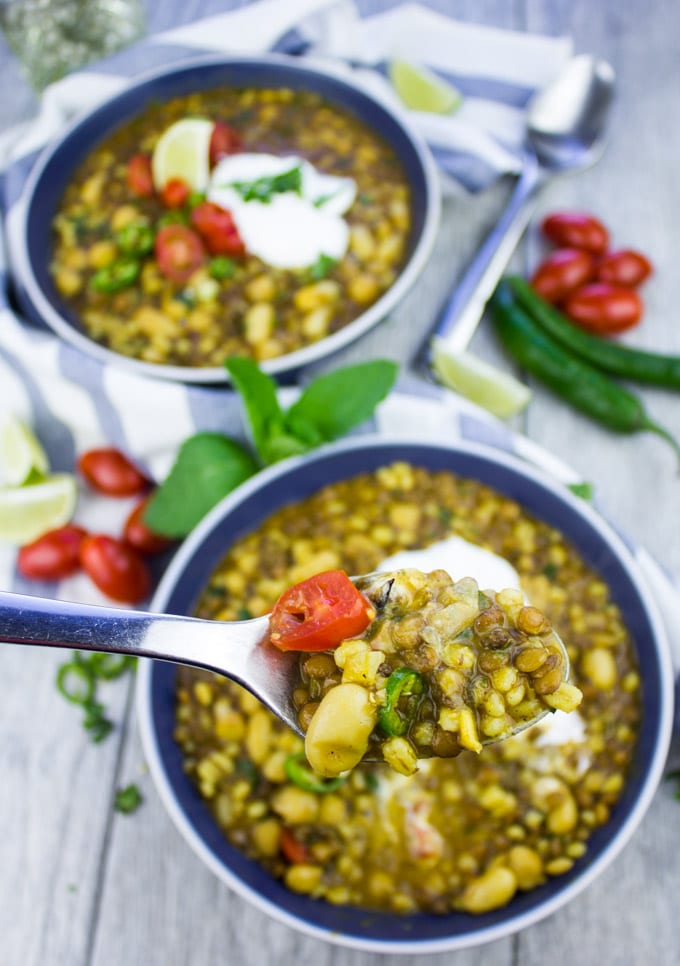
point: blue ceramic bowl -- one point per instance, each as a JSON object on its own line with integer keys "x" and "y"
{"x": 600, "y": 546}
{"x": 30, "y": 227}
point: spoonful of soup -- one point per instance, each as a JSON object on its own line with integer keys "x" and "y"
{"x": 392, "y": 666}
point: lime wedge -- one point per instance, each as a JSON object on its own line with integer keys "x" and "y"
{"x": 421, "y": 90}
{"x": 26, "y": 512}
{"x": 183, "y": 151}
{"x": 21, "y": 455}
{"x": 478, "y": 381}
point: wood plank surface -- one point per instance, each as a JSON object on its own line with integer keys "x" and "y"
{"x": 81, "y": 885}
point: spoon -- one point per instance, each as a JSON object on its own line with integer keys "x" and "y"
{"x": 239, "y": 650}
{"x": 565, "y": 133}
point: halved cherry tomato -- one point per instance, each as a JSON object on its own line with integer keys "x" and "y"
{"x": 110, "y": 471}
{"x": 562, "y": 272}
{"x": 140, "y": 536}
{"x": 626, "y": 267}
{"x": 139, "y": 176}
{"x": 175, "y": 193}
{"x": 603, "y": 308}
{"x": 53, "y": 555}
{"x": 293, "y": 850}
{"x": 179, "y": 252}
{"x": 319, "y": 613}
{"x": 217, "y": 229}
{"x": 223, "y": 141}
{"x": 573, "y": 229}
{"x": 116, "y": 569}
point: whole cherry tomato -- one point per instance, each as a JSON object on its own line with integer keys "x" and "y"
{"x": 319, "y": 613}
{"x": 562, "y": 272}
{"x": 109, "y": 471}
{"x": 573, "y": 229}
{"x": 116, "y": 568}
{"x": 175, "y": 193}
{"x": 141, "y": 537}
{"x": 603, "y": 308}
{"x": 626, "y": 267}
{"x": 223, "y": 141}
{"x": 217, "y": 229}
{"x": 53, "y": 555}
{"x": 179, "y": 252}
{"x": 139, "y": 176}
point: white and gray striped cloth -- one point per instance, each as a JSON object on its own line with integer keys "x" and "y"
{"x": 75, "y": 403}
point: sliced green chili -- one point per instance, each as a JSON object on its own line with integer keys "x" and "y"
{"x": 110, "y": 666}
{"x": 406, "y": 683}
{"x": 95, "y": 723}
{"x": 299, "y": 772}
{"x": 221, "y": 267}
{"x": 75, "y": 681}
{"x": 118, "y": 275}
{"x": 136, "y": 239}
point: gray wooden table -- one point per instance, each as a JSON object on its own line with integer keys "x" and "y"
{"x": 80, "y": 884}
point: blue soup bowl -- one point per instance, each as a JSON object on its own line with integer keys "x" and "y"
{"x": 29, "y": 227}
{"x": 541, "y": 496}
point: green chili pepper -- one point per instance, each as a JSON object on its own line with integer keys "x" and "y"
{"x": 650, "y": 367}
{"x": 407, "y": 683}
{"x": 298, "y": 771}
{"x": 76, "y": 682}
{"x": 110, "y": 666}
{"x": 118, "y": 275}
{"x": 221, "y": 267}
{"x": 568, "y": 375}
{"x": 195, "y": 198}
{"x": 136, "y": 239}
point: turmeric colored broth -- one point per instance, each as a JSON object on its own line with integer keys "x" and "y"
{"x": 463, "y": 833}
{"x": 258, "y": 310}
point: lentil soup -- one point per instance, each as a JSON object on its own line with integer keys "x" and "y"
{"x": 464, "y": 833}
{"x": 162, "y": 275}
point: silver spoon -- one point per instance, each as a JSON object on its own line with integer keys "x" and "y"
{"x": 239, "y": 650}
{"x": 565, "y": 133}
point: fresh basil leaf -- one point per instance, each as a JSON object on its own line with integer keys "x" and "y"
{"x": 258, "y": 392}
{"x": 208, "y": 466}
{"x": 338, "y": 401}
{"x": 280, "y": 445}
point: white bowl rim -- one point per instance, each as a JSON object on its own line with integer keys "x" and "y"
{"x": 514, "y": 923}
{"x": 18, "y": 249}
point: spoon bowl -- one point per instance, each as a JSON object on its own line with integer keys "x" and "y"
{"x": 239, "y": 650}
{"x": 566, "y": 133}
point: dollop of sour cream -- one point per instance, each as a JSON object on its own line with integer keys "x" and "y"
{"x": 458, "y": 558}
{"x": 292, "y": 228}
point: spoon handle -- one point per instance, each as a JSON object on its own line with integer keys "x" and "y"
{"x": 464, "y": 309}
{"x": 58, "y": 623}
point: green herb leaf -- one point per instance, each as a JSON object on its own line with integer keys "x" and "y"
{"x": 262, "y": 189}
{"x": 221, "y": 267}
{"x": 208, "y": 466}
{"x": 321, "y": 267}
{"x": 585, "y": 490}
{"x": 258, "y": 391}
{"x": 127, "y": 799}
{"x": 338, "y": 401}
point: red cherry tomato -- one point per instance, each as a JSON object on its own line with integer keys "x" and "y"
{"x": 109, "y": 471}
{"x": 217, "y": 229}
{"x": 573, "y": 229}
{"x": 625, "y": 267}
{"x": 603, "y": 308}
{"x": 561, "y": 272}
{"x": 116, "y": 569}
{"x": 141, "y": 537}
{"x": 53, "y": 555}
{"x": 139, "y": 177}
{"x": 179, "y": 252}
{"x": 175, "y": 193}
{"x": 293, "y": 850}
{"x": 319, "y": 613}
{"x": 223, "y": 141}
